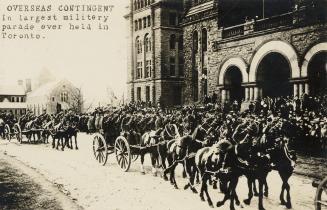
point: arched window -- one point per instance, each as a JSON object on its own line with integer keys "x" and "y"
{"x": 172, "y": 41}
{"x": 204, "y": 40}
{"x": 140, "y": 24}
{"x": 147, "y": 43}
{"x": 180, "y": 42}
{"x": 138, "y": 45}
{"x": 142, "y": 4}
{"x": 145, "y": 3}
{"x": 195, "y": 42}
{"x": 138, "y": 4}
{"x": 135, "y": 5}
{"x": 144, "y": 22}
{"x": 149, "y": 20}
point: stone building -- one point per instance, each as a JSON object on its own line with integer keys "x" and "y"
{"x": 54, "y": 97}
{"x": 254, "y": 50}
{"x": 155, "y": 58}
{"x": 239, "y": 50}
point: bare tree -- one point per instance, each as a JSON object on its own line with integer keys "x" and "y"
{"x": 78, "y": 101}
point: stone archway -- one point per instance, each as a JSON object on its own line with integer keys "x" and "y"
{"x": 233, "y": 84}
{"x": 273, "y": 76}
{"x": 317, "y": 74}
{"x": 276, "y": 46}
{"x": 232, "y": 74}
{"x": 239, "y": 63}
{"x": 321, "y": 47}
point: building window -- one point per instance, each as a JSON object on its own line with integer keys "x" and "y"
{"x": 136, "y": 25}
{"x": 172, "y": 41}
{"x": 147, "y": 93}
{"x": 53, "y": 98}
{"x": 64, "y": 97}
{"x": 147, "y": 43}
{"x": 195, "y": 42}
{"x": 204, "y": 40}
{"x": 144, "y": 22}
{"x": 172, "y": 19}
{"x": 181, "y": 66}
{"x": 180, "y": 42}
{"x": 149, "y": 20}
{"x": 138, "y": 45}
{"x": 139, "y": 70}
{"x": 138, "y": 92}
{"x": 140, "y": 24}
{"x": 148, "y": 69}
{"x": 172, "y": 63}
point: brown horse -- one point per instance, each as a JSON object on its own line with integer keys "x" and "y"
{"x": 182, "y": 150}
{"x": 209, "y": 163}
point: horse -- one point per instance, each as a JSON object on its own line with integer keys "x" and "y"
{"x": 182, "y": 150}
{"x": 72, "y": 131}
{"x": 58, "y": 132}
{"x": 29, "y": 127}
{"x": 170, "y": 131}
{"x": 149, "y": 144}
{"x": 209, "y": 162}
{"x": 284, "y": 162}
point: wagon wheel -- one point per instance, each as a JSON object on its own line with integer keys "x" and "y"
{"x": 321, "y": 196}
{"x": 100, "y": 149}
{"x": 123, "y": 153}
{"x": 18, "y": 132}
{"x": 7, "y": 132}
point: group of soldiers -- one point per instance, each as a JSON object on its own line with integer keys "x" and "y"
{"x": 306, "y": 118}
{"x": 30, "y": 121}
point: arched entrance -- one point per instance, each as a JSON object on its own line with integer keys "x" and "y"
{"x": 233, "y": 83}
{"x": 317, "y": 74}
{"x": 273, "y": 75}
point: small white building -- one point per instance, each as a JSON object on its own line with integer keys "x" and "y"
{"x": 13, "y": 98}
{"x": 54, "y": 97}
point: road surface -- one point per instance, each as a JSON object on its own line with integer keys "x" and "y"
{"x": 92, "y": 186}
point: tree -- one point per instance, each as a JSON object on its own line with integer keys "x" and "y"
{"x": 77, "y": 100}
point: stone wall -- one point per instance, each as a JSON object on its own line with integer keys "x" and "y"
{"x": 212, "y": 33}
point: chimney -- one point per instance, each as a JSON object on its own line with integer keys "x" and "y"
{"x": 28, "y": 85}
{"x": 20, "y": 82}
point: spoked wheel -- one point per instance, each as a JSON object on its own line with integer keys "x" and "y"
{"x": 100, "y": 149}
{"x": 123, "y": 153}
{"x": 18, "y": 132}
{"x": 7, "y": 132}
{"x": 321, "y": 196}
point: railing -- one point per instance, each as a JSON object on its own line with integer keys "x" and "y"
{"x": 258, "y": 25}
{"x": 273, "y": 22}
{"x": 233, "y": 31}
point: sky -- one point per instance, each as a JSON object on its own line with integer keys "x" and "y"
{"x": 91, "y": 60}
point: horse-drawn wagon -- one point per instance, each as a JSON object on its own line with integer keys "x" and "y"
{"x": 124, "y": 151}
{"x": 12, "y": 130}
{"x": 127, "y": 146}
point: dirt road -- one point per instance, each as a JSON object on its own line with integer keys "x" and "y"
{"x": 91, "y": 186}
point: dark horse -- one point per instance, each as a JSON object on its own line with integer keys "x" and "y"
{"x": 183, "y": 150}
{"x": 209, "y": 163}
{"x": 58, "y": 132}
{"x": 281, "y": 158}
{"x": 72, "y": 131}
